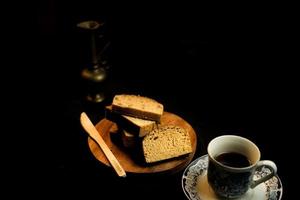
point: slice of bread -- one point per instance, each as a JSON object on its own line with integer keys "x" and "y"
{"x": 129, "y": 140}
{"x": 137, "y": 106}
{"x": 133, "y": 125}
{"x": 166, "y": 142}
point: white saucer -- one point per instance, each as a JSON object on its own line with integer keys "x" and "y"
{"x": 196, "y": 187}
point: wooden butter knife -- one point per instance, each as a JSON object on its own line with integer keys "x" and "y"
{"x": 94, "y": 134}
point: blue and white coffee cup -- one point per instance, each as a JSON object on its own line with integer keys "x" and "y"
{"x": 233, "y": 182}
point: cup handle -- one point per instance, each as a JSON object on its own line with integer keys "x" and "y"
{"x": 269, "y": 164}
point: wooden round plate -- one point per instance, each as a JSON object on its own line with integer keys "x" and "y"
{"x": 129, "y": 163}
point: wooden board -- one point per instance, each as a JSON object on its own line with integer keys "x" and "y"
{"x": 126, "y": 157}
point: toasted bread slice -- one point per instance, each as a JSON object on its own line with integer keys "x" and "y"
{"x": 138, "y": 106}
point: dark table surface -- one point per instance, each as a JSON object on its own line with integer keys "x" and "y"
{"x": 219, "y": 78}
{"x": 215, "y": 97}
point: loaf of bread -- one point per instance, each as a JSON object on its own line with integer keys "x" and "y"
{"x": 137, "y": 106}
{"x": 136, "y": 126}
{"x": 166, "y": 142}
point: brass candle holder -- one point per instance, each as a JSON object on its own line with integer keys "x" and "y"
{"x": 95, "y": 74}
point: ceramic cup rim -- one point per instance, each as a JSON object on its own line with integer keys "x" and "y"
{"x": 252, "y": 144}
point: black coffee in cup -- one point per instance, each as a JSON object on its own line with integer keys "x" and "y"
{"x": 233, "y": 159}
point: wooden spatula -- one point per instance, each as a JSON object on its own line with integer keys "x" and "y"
{"x": 94, "y": 134}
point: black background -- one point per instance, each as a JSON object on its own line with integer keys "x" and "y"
{"x": 225, "y": 69}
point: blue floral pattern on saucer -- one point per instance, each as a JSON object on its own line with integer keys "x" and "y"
{"x": 196, "y": 172}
